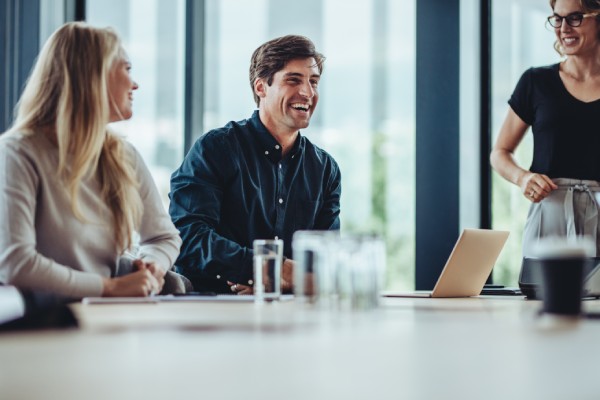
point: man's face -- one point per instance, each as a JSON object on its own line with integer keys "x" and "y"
{"x": 288, "y": 103}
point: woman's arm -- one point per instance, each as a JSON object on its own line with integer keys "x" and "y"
{"x": 533, "y": 186}
{"x": 21, "y": 264}
{"x": 159, "y": 239}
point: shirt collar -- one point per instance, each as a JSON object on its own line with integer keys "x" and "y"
{"x": 268, "y": 145}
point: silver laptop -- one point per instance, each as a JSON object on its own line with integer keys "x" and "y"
{"x": 468, "y": 266}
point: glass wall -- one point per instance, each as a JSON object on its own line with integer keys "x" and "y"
{"x": 366, "y": 112}
{"x": 520, "y": 39}
{"x": 153, "y": 32}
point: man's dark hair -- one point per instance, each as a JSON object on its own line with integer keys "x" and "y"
{"x": 273, "y": 56}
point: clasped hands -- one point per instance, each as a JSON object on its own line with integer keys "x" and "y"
{"x": 147, "y": 279}
{"x": 287, "y": 272}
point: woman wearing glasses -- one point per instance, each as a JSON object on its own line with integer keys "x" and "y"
{"x": 561, "y": 104}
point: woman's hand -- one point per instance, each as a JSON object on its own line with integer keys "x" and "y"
{"x": 156, "y": 271}
{"x": 138, "y": 283}
{"x": 536, "y": 187}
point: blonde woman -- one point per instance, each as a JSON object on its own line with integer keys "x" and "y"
{"x": 73, "y": 194}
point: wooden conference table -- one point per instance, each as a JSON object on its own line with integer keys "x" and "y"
{"x": 475, "y": 348}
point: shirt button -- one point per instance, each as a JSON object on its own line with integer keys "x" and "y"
{"x": 267, "y": 152}
{"x": 276, "y": 237}
{"x": 277, "y": 146}
{"x": 280, "y": 201}
{"x": 218, "y": 276}
{"x": 250, "y": 282}
{"x": 292, "y": 156}
{"x": 279, "y": 166}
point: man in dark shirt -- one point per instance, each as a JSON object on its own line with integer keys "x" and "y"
{"x": 258, "y": 178}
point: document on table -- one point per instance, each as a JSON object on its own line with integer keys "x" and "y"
{"x": 169, "y": 298}
{"x": 120, "y": 300}
{"x": 12, "y": 305}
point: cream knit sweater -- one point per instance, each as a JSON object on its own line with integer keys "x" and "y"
{"x": 43, "y": 246}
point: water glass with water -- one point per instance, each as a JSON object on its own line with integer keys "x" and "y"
{"x": 359, "y": 274}
{"x": 314, "y": 265}
{"x": 268, "y": 258}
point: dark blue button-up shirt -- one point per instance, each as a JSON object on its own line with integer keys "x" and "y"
{"x": 234, "y": 186}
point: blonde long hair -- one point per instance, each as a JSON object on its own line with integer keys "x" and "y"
{"x": 67, "y": 93}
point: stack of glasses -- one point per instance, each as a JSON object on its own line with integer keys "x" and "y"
{"x": 343, "y": 272}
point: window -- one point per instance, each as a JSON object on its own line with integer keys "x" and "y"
{"x": 366, "y": 113}
{"x": 153, "y": 33}
{"x": 519, "y": 40}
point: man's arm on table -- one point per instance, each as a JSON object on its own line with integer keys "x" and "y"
{"x": 195, "y": 207}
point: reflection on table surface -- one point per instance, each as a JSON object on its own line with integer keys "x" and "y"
{"x": 407, "y": 348}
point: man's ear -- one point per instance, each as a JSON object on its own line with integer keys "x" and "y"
{"x": 260, "y": 87}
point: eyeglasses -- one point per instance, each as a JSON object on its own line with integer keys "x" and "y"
{"x": 573, "y": 20}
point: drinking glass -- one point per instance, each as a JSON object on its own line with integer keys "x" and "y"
{"x": 268, "y": 257}
{"x": 314, "y": 255}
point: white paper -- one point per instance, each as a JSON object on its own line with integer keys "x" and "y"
{"x": 12, "y": 305}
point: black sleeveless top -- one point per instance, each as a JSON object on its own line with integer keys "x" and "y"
{"x": 566, "y": 131}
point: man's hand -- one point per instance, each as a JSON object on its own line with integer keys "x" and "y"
{"x": 287, "y": 279}
{"x": 237, "y": 288}
{"x": 287, "y": 275}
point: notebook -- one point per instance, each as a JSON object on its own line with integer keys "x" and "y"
{"x": 179, "y": 298}
{"x": 468, "y": 267}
